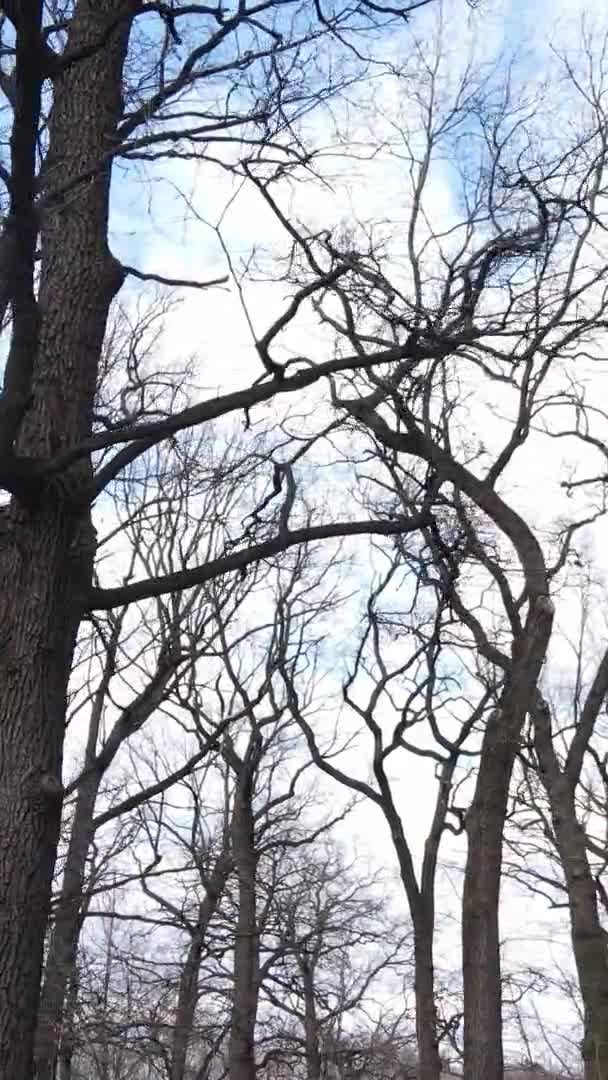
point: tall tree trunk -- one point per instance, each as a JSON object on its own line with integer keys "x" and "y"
{"x": 63, "y": 945}
{"x": 188, "y": 983}
{"x": 66, "y": 1045}
{"x": 103, "y": 1056}
{"x": 311, "y": 1025}
{"x": 60, "y": 967}
{"x": 429, "y": 1061}
{"x": 483, "y": 1055}
{"x": 421, "y": 902}
{"x": 587, "y": 1050}
{"x": 485, "y": 820}
{"x": 480, "y": 931}
{"x": 588, "y": 937}
{"x": 47, "y": 542}
{"x": 241, "y": 1053}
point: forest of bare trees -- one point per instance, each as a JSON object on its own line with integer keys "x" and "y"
{"x": 303, "y": 587}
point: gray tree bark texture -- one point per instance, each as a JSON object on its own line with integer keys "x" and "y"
{"x": 47, "y": 547}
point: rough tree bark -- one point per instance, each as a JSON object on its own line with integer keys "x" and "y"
{"x": 47, "y": 542}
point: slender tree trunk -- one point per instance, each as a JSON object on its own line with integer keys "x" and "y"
{"x": 587, "y": 1052}
{"x": 188, "y": 983}
{"x": 241, "y": 1053}
{"x": 483, "y": 1055}
{"x": 480, "y": 931}
{"x": 186, "y": 1005}
{"x": 421, "y": 901}
{"x": 66, "y": 1045}
{"x": 47, "y": 543}
{"x": 429, "y": 1061}
{"x": 60, "y": 968}
{"x": 311, "y": 1025}
{"x": 588, "y": 937}
{"x": 104, "y": 1061}
{"x": 63, "y": 945}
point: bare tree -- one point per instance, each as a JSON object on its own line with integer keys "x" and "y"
{"x": 339, "y": 951}
{"x": 557, "y": 836}
{"x": 223, "y": 696}
{"x": 396, "y": 693}
{"x": 157, "y": 646}
{"x": 85, "y": 85}
{"x": 502, "y": 299}
{"x": 515, "y": 282}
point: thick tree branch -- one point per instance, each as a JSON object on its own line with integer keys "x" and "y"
{"x": 145, "y": 435}
{"x": 20, "y": 229}
{"x": 414, "y": 442}
{"x": 103, "y": 599}
{"x": 27, "y": 474}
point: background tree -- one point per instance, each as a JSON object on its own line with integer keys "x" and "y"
{"x": 514, "y": 279}
{"x": 85, "y": 86}
{"x": 403, "y": 688}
